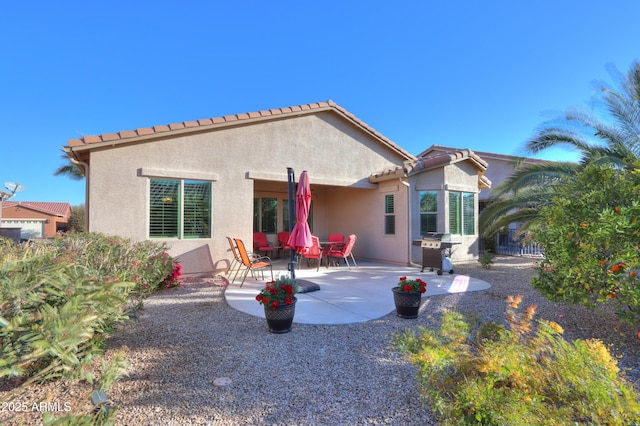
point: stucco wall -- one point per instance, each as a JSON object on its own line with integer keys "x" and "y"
{"x": 336, "y": 155}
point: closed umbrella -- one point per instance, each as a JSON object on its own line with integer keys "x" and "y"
{"x": 300, "y": 238}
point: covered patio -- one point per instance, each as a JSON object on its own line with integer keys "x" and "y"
{"x": 347, "y": 296}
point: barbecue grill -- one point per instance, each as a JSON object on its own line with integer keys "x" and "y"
{"x": 436, "y": 252}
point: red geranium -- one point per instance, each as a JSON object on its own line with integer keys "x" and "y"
{"x": 280, "y": 291}
{"x": 413, "y": 285}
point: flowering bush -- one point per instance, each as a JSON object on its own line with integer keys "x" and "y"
{"x": 173, "y": 279}
{"x": 412, "y": 286}
{"x": 278, "y": 292}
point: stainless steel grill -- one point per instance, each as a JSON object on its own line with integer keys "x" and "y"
{"x": 435, "y": 248}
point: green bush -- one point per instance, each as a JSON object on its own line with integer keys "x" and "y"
{"x": 590, "y": 241}
{"x": 60, "y": 299}
{"x": 527, "y": 373}
{"x": 486, "y": 259}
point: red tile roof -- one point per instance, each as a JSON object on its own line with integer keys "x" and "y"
{"x": 433, "y": 162}
{"x": 128, "y": 135}
{"x": 52, "y": 208}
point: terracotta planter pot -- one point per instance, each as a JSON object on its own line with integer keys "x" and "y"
{"x": 407, "y": 304}
{"x": 280, "y": 319}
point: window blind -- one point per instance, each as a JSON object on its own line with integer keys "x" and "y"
{"x": 390, "y": 217}
{"x": 197, "y": 209}
{"x": 468, "y": 213}
{"x": 454, "y": 213}
{"x": 164, "y": 207}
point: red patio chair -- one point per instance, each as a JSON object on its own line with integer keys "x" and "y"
{"x": 344, "y": 252}
{"x": 261, "y": 244}
{"x": 336, "y": 241}
{"x": 314, "y": 252}
{"x": 283, "y": 238}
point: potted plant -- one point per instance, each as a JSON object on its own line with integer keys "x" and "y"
{"x": 407, "y": 296}
{"x": 279, "y": 301}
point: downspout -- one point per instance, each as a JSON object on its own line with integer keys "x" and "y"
{"x": 85, "y": 169}
{"x": 409, "y": 220}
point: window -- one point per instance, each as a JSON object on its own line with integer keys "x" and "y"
{"x": 285, "y": 215}
{"x": 461, "y": 213}
{"x": 265, "y": 215}
{"x": 179, "y": 209}
{"x": 389, "y": 215}
{"x": 428, "y": 212}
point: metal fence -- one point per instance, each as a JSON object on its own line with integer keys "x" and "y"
{"x": 509, "y": 243}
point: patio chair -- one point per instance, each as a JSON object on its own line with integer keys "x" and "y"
{"x": 344, "y": 252}
{"x": 283, "y": 238}
{"x": 236, "y": 261}
{"x": 261, "y": 244}
{"x": 336, "y": 241}
{"x": 315, "y": 252}
{"x": 251, "y": 263}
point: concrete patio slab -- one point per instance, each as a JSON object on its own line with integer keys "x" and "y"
{"x": 348, "y": 296}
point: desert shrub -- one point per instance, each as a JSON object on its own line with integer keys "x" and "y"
{"x": 54, "y": 316}
{"x": 486, "y": 259}
{"x": 60, "y": 299}
{"x": 145, "y": 263}
{"x": 526, "y": 372}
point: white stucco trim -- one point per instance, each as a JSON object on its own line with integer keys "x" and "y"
{"x": 419, "y": 188}
{"x": 282, "y": 177}
{"x": 177, "y": 174}
{"x": 461, "y": 188}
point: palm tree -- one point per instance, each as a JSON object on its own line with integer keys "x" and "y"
{"x": 69, "y": 169}
{"x": 614, "y": 140}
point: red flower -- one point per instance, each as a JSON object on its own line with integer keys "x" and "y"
{"x": 288, "y": 300}
{"x": 403, "y": 278}
{"x": 274, "y": 304}
{"x": 407, "y": 288}
{"x": 259, "y": 298}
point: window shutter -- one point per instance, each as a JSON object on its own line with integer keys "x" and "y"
{"x": 454, "y": 213}
{"x": 389, "y": 217}
{"x": 164, "y": 207}
{"x": 468, "y": 213}
{"x": 197, "y": 209}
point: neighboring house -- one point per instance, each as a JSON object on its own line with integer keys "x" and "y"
{"x": 499, "y": 166}
{"x": 36, "y": 219}
{"x": 191, "y": 184}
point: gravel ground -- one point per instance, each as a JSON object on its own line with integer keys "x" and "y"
{"x": 187, "y": 339}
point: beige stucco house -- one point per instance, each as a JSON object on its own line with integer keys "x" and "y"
{"x": 191, "y": 184}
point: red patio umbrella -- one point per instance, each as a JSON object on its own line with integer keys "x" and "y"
{"x": 300, "y": 238}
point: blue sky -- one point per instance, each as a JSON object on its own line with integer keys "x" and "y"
{"x": 469, "y": 74}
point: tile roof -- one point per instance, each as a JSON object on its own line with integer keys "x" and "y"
{"x": 52, "y": 208}
{"x": 129, "y": 135}
{"x": 435, "y": 161}
{"x": 436, "y": 149}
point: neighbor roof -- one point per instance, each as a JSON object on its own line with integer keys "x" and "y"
{"x": 51, "y": 208}
{"x": 438, "y": 149}
{"x": 433, "y": 162}
{"x": 108, "y": 139}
